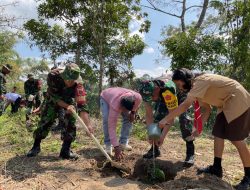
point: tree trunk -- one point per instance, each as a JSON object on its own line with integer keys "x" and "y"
{"x": 182, "y": 17}
{"x": 203, "y": 14}
{"x": 100, "y": 54}
{"x": 78, "y": 50}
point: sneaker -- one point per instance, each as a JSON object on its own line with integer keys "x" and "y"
{"x": 189, "y": 161}
{"x": 108, "y": 149}
{"x": 211, "y": 170}
{"x": 244, "y": 184}
{"x": 149, "y": 154}
{"x": 126, "y": 147}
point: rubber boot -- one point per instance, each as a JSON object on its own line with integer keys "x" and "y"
{"x": 149, "y": 154}
{"x": 66, "y": 153}
{"x": 35, "y": 149}
{"x": 189, "y": 161}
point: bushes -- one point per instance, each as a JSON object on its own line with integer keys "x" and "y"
{"x": 93, "y": 103}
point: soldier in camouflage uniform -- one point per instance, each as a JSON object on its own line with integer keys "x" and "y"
{"x": 165, "y": 98}
{"x": 6, "y": 69}
{"x": 63, "y": 92}
{"x": 186, "y": 123}
{"x": 33, "y": 94}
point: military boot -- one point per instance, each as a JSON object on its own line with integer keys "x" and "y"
{"x": 149, "y": 154}
{"x": 189, "y": 161}
{"x": 35, "y": 149}
{"x": 66, "y": 153}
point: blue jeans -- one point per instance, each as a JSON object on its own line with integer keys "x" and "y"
{"x": 126, "y": 124}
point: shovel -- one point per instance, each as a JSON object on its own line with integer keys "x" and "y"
{"x": 113, "y": 163}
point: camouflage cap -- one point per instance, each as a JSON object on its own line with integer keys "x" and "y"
{"x": 146, "y": 89}
{"x": 71, "y": 72}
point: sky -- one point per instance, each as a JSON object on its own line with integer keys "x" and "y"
{"x": 144, "y": 63}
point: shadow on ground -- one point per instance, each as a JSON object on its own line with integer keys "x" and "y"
{"x": 20, "y": 168}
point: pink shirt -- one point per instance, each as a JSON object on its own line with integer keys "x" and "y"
{"x": 113, "y": 97}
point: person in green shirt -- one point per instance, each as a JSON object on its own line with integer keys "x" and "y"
{"x": 165, "y": 97}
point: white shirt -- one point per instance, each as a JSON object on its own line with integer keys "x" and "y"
{"x": 12, "y": 97}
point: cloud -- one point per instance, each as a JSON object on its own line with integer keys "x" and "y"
{"x": 23, "y": 10}
{"x": 149, "y": 50}
{"x": 156, "y": 72}
{"x": 134, "y": 27}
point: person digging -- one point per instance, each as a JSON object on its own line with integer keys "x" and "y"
{"x": 114, "y": 102}
{"x": 166, "y": 98}
{"x": 65, "y": 90}
{"x": 232, "y": 121}
{"x": 33, "y": 94}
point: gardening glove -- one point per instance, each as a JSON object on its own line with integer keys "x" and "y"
{"x": 118, "y": 153}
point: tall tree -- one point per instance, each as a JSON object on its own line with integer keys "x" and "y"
{"x": 234, "y": 18}
{"x": 93, "y": 31}
{"x": 179, "y": 9}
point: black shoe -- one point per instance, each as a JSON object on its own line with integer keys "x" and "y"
{"x": 211, "y": 170}
{"x": 189, "y": 161}
{"x": 149, "y": 154}
{"x": 34, "y": 151}
{"x": 244, "y": 184}
{"x": 66, "y": 153}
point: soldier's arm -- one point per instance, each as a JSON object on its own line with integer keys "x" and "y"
{"x": 82, "y": 106}
{"x": 62, "y": 104}
{"x": 176, "y": 112}
{"x": 85, "y": 117}
{"x": 149, "y": 113}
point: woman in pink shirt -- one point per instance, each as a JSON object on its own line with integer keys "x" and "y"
{"x": 116, "y": 101}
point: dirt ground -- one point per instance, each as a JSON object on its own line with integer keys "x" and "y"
{"x": 48, "y": 172}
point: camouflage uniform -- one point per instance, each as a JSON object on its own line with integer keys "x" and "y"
{"x": 57, "y": 91}
{"x": 3, "y": 89}
{"x": 169, "y": 99}
{"x": 184, "y": 119}
{"x": 31, "y": 88}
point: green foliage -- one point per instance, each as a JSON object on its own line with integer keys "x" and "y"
{"x": 48, "y": 38}
{"x": 93, "y": 99}
{"x": 236, "y": 25}
{"x": 95, "y": 32}
{"x": 39, "y": 68}
{"x": 7, "y": 42}
{"x": 194, "y": 51}
{"x": 140, "y": 131}
{"x": 13, "y": 132}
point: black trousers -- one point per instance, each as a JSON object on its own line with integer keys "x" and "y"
{"x": 15, "y": 105}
